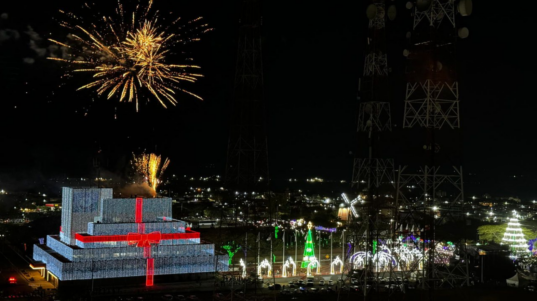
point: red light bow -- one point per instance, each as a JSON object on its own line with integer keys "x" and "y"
{"x": 143, "y": 240}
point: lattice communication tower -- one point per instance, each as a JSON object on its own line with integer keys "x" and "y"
{"x": 247, "y": 155}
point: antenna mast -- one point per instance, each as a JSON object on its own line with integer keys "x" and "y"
{"x": 431, "y": 110}
{"x": 247, "y": 156}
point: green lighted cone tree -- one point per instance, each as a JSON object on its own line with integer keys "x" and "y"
{"x": 308, "y": 248}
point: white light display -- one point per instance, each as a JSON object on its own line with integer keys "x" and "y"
{"x": 335, "y": 263}
{"x": 264, "y": 265}
{"x": 514, "y": 237}
{"x": 123, "y": 238}
{"x": 382, "y": 261}
{"x": 402, "y": 256}
{"x": 243, "y": 266}
{"x": 79, "y": 207}
{"x": 288, "y": 263}
{"x": 312, "y": 264}
{"x": 350, "y": 204}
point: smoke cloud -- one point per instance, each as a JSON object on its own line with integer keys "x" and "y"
{"x": 34, "y": 36}
{"x": 140, "y": 190}
{"x": 40, "y": 51}
{"x": 28, "y": 60}
{"x": 8, "y": 34}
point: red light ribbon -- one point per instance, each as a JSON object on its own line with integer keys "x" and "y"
{"x": 144, "y": 240}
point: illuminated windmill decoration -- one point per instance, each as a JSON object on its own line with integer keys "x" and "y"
{"x": 349, "y": 206}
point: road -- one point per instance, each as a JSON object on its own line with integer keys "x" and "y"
{"x": 8, "y": 268}
{"x": 15, "y": 265}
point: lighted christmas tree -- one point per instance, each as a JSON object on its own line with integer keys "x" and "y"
{"x": 308, "y": 248}
{"x": 514, "y": 237}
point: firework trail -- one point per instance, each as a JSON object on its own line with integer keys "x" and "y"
{"x": 148, "y": 165}
{"x": 127, "y": 53}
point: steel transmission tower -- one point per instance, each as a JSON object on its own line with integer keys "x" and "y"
{"x": 373, "y": 173}
{"x": 371, "y": 169}
{"x": 431, "y": 110}
{"x": 247, "y": 155}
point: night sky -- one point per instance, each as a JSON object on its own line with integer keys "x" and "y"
{"x": 313, "y": 57}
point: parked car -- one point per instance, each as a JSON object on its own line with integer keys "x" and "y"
{"x": 182, "y": 298}
{"x": 276, "y": 286}
{"x": 167, "y": 298}
{"x": 321, "y": 282}
{"x": 286, "y": 292}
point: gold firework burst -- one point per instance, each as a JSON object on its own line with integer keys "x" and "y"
{"x": 148, "y": 165}
{"x": 126, "y": 56}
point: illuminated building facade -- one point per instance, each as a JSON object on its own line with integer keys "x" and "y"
{"x": 101, "y": 237}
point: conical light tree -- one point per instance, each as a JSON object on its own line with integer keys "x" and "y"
{"x": 308, "y": 248}
{"x": 514, "y": 237}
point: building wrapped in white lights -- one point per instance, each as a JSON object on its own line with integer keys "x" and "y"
{"x": 514, "y": 237}
{"x": 101, "y": 237}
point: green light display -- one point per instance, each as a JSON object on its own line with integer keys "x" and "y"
{"x": 231, "y": 249}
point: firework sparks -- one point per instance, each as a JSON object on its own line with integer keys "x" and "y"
{"x": 128, "y": 55}
{"x": 149, "y": 166}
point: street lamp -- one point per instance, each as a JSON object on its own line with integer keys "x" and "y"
{"x": 343, "y": 245}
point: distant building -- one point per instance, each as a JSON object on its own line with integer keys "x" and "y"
{"x": 101, "y": 237}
